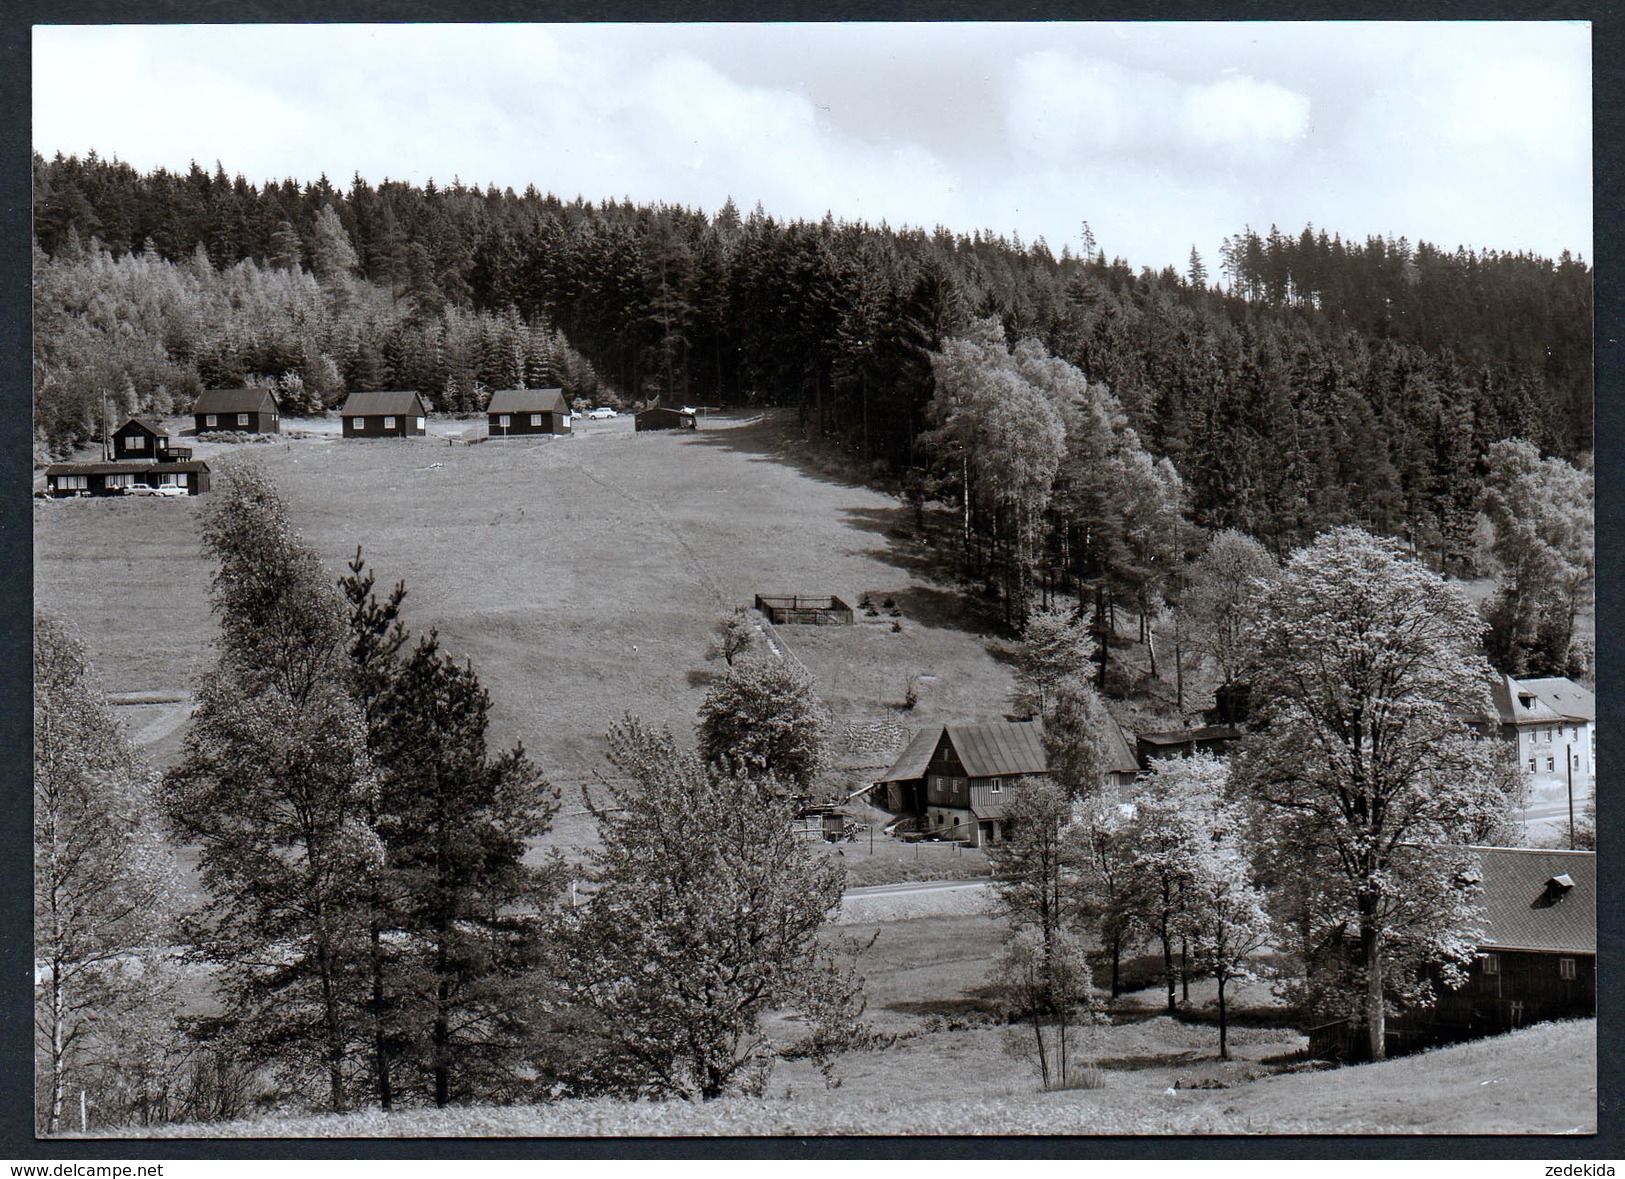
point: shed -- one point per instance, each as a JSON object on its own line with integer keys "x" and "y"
{"x": 667, "y": 417}
{"x": 146, "y": 438}
{"x": 385, "y": 415}
{"x": 1214, "y": 739}
{"x": 527, "y": 411}
{"x": 248, "y": 411}
{"x": 63, "y": 480}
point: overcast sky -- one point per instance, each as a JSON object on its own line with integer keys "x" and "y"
{"x": 1161, "y": 136}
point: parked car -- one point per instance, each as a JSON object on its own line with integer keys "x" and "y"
{"x": 603, "y": 411}
{"x": 139, "y": 489}
{"x": 169, "y": 489}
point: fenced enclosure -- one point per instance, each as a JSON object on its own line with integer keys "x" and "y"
{"x": 794, "y": 609}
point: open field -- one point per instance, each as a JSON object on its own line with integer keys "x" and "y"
{"x": 581, "y": 575}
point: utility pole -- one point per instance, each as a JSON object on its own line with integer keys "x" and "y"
{"x": 1568, "y": 764}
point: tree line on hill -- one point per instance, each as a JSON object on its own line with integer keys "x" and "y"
{"x": 1327, "y": 382}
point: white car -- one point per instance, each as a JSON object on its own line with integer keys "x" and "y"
{"x": 169, "y": 489}
{"x": 603, "y": 411}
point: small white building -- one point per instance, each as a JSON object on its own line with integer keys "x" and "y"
{"x": 1552, "y": 723}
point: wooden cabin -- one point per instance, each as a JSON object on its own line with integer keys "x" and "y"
{"x": 146, "y": 439}
{"x": 64, "y": 480}
{"x": 527, "y": 411}
{"x": 1536, "y": 960}
{"x": 666, "y": 417}
{"x": 1214, "y": 739}
{"x": 385, "y": 415}
{"x": 247, "y": 411}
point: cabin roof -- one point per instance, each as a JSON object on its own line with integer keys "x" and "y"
{"x": 392, "y": 404}
{"x": 123, "y": 468}
{"x": 527, "y": 401}
{"x": 916, "y": 755}
{"x": 1526, "y": 905}
{"x": 235, "y": 401}
{"x": 148, "y": 423}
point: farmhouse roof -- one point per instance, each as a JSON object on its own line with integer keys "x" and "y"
{"x": 916, "y": 755}
{"x": 1517, "y": 704}
{"x": 235, "y": 401}
{"x": 1000, "y": 749}
{"x": 392, "y": 404}
{"x": 150, "y": 424}
{"x": 1564, "y": 697}
{"x": 123, "y": 468}
{"x": 527, "y": 401}
{"x": 1539, "y": 900}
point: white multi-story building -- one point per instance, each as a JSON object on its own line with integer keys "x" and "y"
{"x": 1553, "y": 724}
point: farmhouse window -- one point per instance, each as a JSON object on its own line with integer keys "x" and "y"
{"x": 210, "y": 420}
{"x": 502, "y": 420}
{"x": 996, "y": 786}
{"x": 242, "y": 419}
{"x": 535, "y": 419}
{"x": 389, "y": 423}
{"x": 136, "y": 442}
{"x": 420, "y": 423}
{"x": 1565, "y": 968}
{"x": 358, "y": 423}
{"x": 1492, "y": 964}
{"x": 1551, "y": 765}
{"x": 1531, "y": 765}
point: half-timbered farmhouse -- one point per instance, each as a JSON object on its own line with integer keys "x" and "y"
{"x": 527, "y": 411}
{"x": 246, "y": 411}
{"x": 385, "y": 415}
{"x": 955, "y": 781}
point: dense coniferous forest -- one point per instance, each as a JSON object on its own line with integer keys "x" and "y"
{"x": 1316, "y": 381}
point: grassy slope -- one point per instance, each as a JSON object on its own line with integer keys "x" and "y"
{"x": 580, "y": 575}
{"x": 1539, "y": 1080}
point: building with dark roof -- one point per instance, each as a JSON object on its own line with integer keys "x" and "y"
{"x": 247, "y": 411}
{"x": 63, "y": 480}
{"x": 1551, "y": 726}
{"x": 527, "y": 411}
{"x": 385, "y": 415}
{"x": 666, "y": 417}
{"x": 1536, "y": 960}
{"x": 146, "y": 439}
{"x": 1214, "y": 739}
{"x": 955, "y": 780}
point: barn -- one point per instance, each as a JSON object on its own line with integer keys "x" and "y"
{"x": 1536, "y": 960}
{"x": 385, "y": 415}
{"x": 667, "y": 417}
{"x": 527, "y": 411}
{"x": 247, "y": 411}
{"x": 63, "y": 480}
{"x": 146, "y": 439}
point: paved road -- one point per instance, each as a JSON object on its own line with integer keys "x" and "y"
{"x": 912, "y": 886}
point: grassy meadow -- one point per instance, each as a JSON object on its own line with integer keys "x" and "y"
{"x": 581, "y": 575}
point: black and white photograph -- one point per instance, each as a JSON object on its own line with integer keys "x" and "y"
{"x": 782, "y": 580}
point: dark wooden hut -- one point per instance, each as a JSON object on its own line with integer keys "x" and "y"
{"x": 146, "y": 439}
{"x": 247, "y": 411}
{"x": 527, "y": 411}
{"x": 385, "y": 415}
{"x": 667, "y": 417}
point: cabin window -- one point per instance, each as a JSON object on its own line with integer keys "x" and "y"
{"x": 358, "y": 423}
{"x": 420, "y": 423}
{"x": 210, "y": 420}
{"x": 121, "y": 481}
{"x": 502, "y": 420}
{"x": 535, "y": 419}
{"x": 389, "y": 423}
{"x": 71, "y": 482}
{"x": 995, "y": 787}
{"x": 135, "y": 442}
{"x": 242, "y": 419}
{"x": 1565, "y": 968}
{"x": 1492, "y": 964}
{"x": 179, "y": 479}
